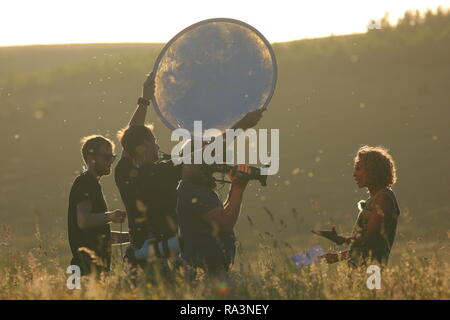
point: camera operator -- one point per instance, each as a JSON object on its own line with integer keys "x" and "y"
{"x": 205, "y": 223}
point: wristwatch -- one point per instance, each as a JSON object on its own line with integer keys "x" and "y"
{"x": 142, "y": 101}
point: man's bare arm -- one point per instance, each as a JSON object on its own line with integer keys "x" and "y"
{"x": 250, "y": 120}
{"x": 139, "y": 115}
{"x": 227, "y": 217}
{"x": 86, "y": 219}
{"x": 138, "y": 118}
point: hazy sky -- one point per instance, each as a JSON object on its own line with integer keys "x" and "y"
{"x": 82, "y": 21}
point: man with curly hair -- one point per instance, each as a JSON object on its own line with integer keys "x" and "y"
{"x": 375, "y": 228}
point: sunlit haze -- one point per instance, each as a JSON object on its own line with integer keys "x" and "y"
{"x": 56, "y": 21}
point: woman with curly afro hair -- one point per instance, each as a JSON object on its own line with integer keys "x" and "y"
{"x": 374, "y": 231}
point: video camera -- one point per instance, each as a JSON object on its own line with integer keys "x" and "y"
{"x": 255, "y": 172}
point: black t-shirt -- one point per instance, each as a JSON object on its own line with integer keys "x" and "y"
{"x": 203, "y": 245}
{"x": 97, "y": 239}
{"x": 150, "y": 197}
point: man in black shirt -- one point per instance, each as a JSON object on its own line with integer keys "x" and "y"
{"x": 90, "y": 236}
{"x": 147, "y": 184}
{"x": 206, "y": 224}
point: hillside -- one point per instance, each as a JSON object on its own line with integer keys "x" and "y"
{"x": 385, "y": 87}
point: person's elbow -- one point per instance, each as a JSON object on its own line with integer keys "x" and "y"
{"x": 82, "y": 221}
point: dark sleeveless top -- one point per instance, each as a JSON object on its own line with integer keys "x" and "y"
{"x": 378, "y": 247}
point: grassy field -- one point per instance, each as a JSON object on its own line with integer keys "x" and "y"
{"x": 270, "y": 274}
{"x": 385, "y": 87}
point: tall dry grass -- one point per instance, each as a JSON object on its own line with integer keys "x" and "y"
{"x": 268, "y": 274}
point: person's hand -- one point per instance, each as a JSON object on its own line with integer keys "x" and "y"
{"x": 331, "y": 235}
{"x": 250, "y": 120}
{"x": 237, "y": 176}
{"x": 330, "y": 257}
{"x": 148, "y": 90}
{"x": 117, "y": 216}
